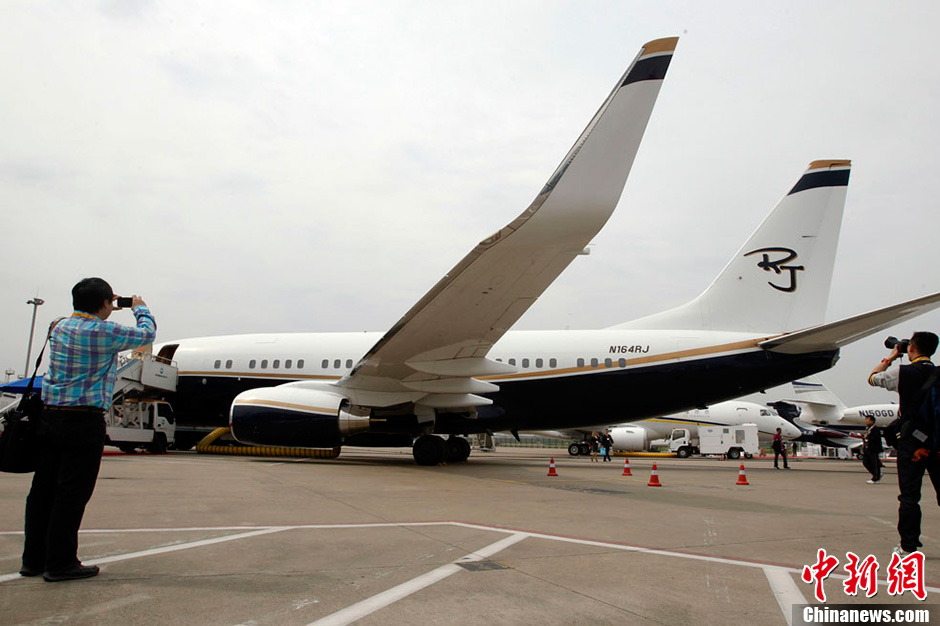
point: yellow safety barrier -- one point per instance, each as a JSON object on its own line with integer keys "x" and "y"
{"x": 655, "y": 455}
{"x": 206, "y": 447}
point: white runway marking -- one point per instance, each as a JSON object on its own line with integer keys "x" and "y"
{"x": 382, "y": 600}
{"x": 165, "y": 549}
{"x": 785, "y": 590}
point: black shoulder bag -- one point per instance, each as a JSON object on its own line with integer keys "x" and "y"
{"x": 19, "y": 443}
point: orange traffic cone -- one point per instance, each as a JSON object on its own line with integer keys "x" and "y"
{"x": 626, "y": 467}
{"x": 654, "y": 478}
{"x": 742, "y": 478}
{"x": 551, "y": 468}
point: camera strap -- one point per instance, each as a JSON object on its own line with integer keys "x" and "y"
{"x": 32, "y": 379}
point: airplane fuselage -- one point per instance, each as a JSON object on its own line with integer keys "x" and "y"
{"x": 562, "y": 378}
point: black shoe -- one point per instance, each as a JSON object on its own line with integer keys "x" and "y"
{"x": 29, "y": 571}
{"x": 73, "y": 573}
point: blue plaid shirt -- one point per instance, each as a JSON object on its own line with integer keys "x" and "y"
{"x": 83, "y": 357}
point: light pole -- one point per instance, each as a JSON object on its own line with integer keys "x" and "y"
{"x": 36, "y": 302}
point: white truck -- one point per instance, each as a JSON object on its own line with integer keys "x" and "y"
{"x": 136, "y": 423}
{"x": 730, "y": 441}
{"x": 137, "y": 417}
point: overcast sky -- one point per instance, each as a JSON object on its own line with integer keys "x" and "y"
{"x": 317, "y": 166}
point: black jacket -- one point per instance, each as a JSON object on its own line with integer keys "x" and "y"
{"x": 872, "y": 443}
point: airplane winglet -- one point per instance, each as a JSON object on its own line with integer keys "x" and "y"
{"x": 653, "y": 61}
{"x": 834, "y": 335}
{"x": 657, "y": 46}
{"x": 472, "y": 306}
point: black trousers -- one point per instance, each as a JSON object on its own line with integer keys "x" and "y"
{"x": 910, "y": 482}
{"x": 872, "y": 462}
{"x": 777, "y": 454}
{"x": 71, "y": 443}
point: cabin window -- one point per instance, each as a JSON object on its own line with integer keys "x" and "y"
{"x": 336, "y": 364}
{"x": 251, "y": 364}
{"x": 218, "y": 364}
{"x": 538, "y": 362}
{"x": 593, "y": 362}
{"x": 348, "y": 362}
{"x": 512, "y": 361}
{"x": 325, "y": 364}
{"x": 525, "y": 362}
{"x": 287, "y": 364}
{"x": 228, "y": 364}
{"x": 500, "y": 360}
{"x": 264, "y": 364}
{"x": 553, "y": 362}
{"x": 300, "y": 364}
{"x": 608, "y": 363}
{"x": 580, "y": 362}
{"x": 276, "y": 364}
{"x": 622, "y": 362}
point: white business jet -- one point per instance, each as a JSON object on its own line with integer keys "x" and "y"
{"x": 641, "y": 435}
{"x": 451, "y": 367}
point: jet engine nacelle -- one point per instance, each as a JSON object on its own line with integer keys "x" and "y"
{"x": 294, "y": 416}
{"x": 630, "y": 438}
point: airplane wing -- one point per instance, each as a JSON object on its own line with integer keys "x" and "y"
{"x": 837, "y": 334}
{"x": 435, "y": 349}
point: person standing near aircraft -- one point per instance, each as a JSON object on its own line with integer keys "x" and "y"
{"x": 779, "y": 450}
{"x": 595, "y": 445}
{"x": 907, "y": 434}
{"x": 608, "y": 442}
{"x": 77, "y": 390}
{"x": 871, "y": 450}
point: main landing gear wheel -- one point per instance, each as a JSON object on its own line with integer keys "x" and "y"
{"x": 429, "y": 450}
{"x": 574, "y": 449}
{"x": 458, "y": 449}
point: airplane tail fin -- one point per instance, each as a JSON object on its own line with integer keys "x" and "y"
{"x": 819, "y": 404}
{"x": 779, "y": 280}
{"x": 811, "y": 389}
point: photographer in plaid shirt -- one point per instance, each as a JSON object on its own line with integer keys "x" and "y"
{"x": 77, "y": 391}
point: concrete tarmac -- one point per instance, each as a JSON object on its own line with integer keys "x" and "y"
{"x": 372, "y": 539}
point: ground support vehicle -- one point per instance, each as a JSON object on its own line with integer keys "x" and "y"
{"x": 729, "y": 441}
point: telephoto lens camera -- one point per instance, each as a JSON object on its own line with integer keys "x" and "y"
{"x": 902, "y": 344}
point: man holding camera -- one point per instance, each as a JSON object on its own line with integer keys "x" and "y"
{"x": 911, "y": 433}
{"x": 77, "y": 390}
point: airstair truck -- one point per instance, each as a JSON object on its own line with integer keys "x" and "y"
{"x": 730, "y": 441}
{"x": 138, "y": 417}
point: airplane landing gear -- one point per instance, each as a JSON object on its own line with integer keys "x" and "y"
{"x": 458, "y": 449}
{"x": 431, "y": 450}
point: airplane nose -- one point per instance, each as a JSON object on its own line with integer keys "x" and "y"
{"x": 790, "y": 431}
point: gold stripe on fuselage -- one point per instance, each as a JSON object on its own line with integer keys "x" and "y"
{"x": 667, "y": 356}
{"x": 287, "y": 405}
